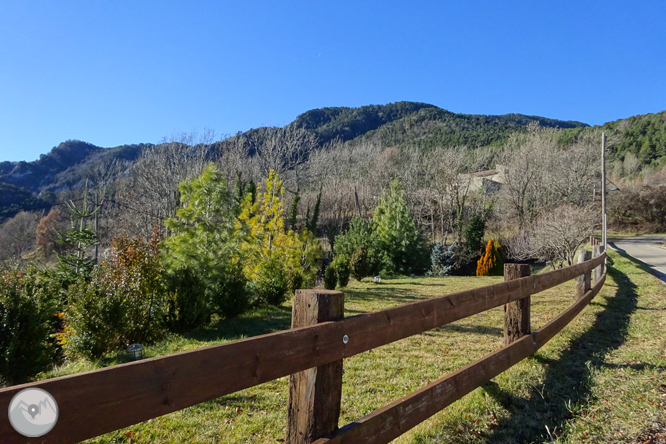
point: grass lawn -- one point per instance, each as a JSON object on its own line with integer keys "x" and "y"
{"x": 600, "y": 380}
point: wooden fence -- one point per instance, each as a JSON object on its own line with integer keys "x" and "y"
{"x": 104, "y": 400}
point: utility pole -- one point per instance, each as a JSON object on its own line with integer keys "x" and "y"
{"x": 603, "y": 188}
{"x": 96, "y": 243}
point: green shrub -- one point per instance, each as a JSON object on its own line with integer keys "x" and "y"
{"x": 26, "y": 320}
{"x": 296, "y": 281}
{"x": 188, "y": 304}
{"x": 474, "y": 235}
{"x": 388, "y": 244}
{"x": 359, "y": 266}
{"x": 232, "y": 296}
{"x": 96, "y": 318}
{"x": 330, "y": 278}
{"x": 342, "y": 271}
{"x": 124, "y": 302}
{"x": 271, "y": 284}
{"x": 361, "y": 232}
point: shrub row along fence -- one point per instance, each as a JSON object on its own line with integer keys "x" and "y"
{"x": 312, "y": 352}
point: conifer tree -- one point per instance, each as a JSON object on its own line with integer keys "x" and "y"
{"x": 293, "y": 211}
{"x": 78, "y": 239}
{"x": 401, "y": 242}
{"x": 312, "y": 223}
{"x": 203, "y": 242}
{"x": 491, "y": 263}
{"x": 268, "y": 251}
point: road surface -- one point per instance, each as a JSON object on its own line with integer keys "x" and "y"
{"x": 647, "y": 249}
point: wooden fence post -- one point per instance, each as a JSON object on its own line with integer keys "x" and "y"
{"x": 315, "y": 394}
{"x": 516, "y": 313}
{"x": 583, "y": 282}
{"x": 598, "y": 271}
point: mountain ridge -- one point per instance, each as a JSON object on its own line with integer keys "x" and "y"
{"x": 63, "y": 166}
{"x": 34, "y": 184}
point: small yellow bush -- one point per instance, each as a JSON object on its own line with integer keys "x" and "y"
{"x": 491, "y": 263}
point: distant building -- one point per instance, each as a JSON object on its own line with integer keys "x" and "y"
{"x": 490, "y": 181}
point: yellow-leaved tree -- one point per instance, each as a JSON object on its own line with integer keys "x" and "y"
{"x": 275, "y": 260}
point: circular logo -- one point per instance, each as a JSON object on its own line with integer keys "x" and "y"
{"x": 33, "y": 412}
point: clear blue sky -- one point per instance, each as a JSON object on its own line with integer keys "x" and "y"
{"x": 117, "y": 72}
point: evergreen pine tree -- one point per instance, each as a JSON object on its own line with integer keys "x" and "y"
{"x": 312, "y": 223}
{"x": 293, "y": 211}
{"x": 78, "y": 239}
{"x": 401, "y": 242}
{"x": 474, "y": 234}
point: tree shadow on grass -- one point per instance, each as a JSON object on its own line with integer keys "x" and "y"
{"x": 257, "y": 322}
{"x": 470, "y": 328}
{"x": 387, "y": 295}
{"x": 270, "y": 319}
{"x": 568, "y": 379}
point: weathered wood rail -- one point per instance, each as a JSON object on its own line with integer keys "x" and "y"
{"x": 104, "y": 400}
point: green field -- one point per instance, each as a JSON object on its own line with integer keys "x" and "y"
{"x": 600, "y": 380}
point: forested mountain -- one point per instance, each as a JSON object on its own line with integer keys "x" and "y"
{"x": 644, "y": 136}
{"x": 14, "y": 199}
{"x": 393, "y": 124}
{"x": 432, "y": 127}
{"x": 409, "y": 123}
{"x": 399, "y": 124}
{"x": 348, "y": 123}
{"x": 64, "y": 166}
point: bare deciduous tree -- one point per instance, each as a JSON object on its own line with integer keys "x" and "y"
{"x": 556, "y": 236}
{"x": 17, "y": 235}
{"x": 152, "y": 192}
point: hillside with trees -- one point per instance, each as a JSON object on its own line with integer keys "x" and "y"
{"x": 140, "y": 242}
{"x": 434, "y": 127}
{"x": 339, "y": 159}
{"x": 66, "y": 165}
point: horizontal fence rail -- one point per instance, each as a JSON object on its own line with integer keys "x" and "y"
{"x": 104, "y": 400}
{"x": 397, "y": 418}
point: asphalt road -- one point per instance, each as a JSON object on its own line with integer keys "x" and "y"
{"x": 647, "y": 249}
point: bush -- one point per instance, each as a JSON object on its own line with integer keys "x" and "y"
{"x": 491, "y": 263}
{"x": 96, "y": 318}
{"x": 296, "y": 281}
{"x": 232, "y": 296}
{"x": 135, "y": 271}
{"x": 26, "y": 320}
{"x": 442, "y": 259}
{"x": 275, "y": 259}
{"x": 342, "y": 271}
{"x": 360, "y": 248}
{"x": 360, "y": 263}
{"x": 271, "y": 284}
{"x": 124, "y": 302}
{"x": 474, "y": 235}
{"x": 330, "y": 278}
{"x": 188, "y": 306}
{"x": 390, "y": 243}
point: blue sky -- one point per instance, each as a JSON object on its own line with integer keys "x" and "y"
{"x": 117, "y": 72}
